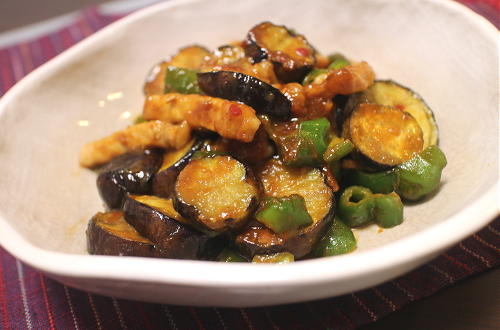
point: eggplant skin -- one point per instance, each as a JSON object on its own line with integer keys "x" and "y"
{"x": 171, "y": 238}
{"x": 163, "y": 182}
{"x": 259, "y": 240}
{"x": 302, "y": 243}
{"x": 102, "y": 241}
{"x": 236, "y": 86}
{"x": 129, "y": 173}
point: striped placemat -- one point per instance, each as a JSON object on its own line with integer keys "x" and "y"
{"x": 29, "y": 300}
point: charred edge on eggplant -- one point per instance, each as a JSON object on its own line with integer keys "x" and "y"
{"x": 163, "y": 227}
{"x": 218, "y": 192}
{"x": 291, "y": 54}
{"x": 109, "y": 234}
{"x": 173, "y": 162}
{"x": 130, "y": 173}
{"x": 236, "y": 86}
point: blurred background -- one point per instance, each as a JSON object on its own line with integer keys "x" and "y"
{"x": 19, "y": 13}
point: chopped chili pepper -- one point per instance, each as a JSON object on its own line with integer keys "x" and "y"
{"x": 303, "y": 51}
{"x": 234, "y": 110}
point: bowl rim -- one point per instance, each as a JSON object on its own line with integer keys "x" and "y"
{"x": 399, "y": 252}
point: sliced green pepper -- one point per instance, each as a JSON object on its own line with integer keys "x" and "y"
{"x": 356, "y": 206}
{"x": 388, "y": 210}
{"x": 299, "y": 143}
{"x": 139, "y": 119}
{"x": 312, "y": 75}
{"x": 339, "y": 239}
{"x": 312, "y": 144}
{"x": 337, "y": 148}
{"x": 275, "y": 258}
{"x": 230, "y": 255}
{"x": 338, "y": 61}
{"x": 378, "y": 182}
{"x": 336, "y": 168}
{"x": 284, "y": 214}
{"x": 180, "y": 80}
{"x": 421, "y": 175}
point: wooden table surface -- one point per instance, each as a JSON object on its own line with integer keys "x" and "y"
{"x": 471, "y": 304}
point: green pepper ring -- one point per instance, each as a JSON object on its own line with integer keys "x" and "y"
{"x": 356, "y": 206}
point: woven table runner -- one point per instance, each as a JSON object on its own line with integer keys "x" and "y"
{"x": 29, "y": 300}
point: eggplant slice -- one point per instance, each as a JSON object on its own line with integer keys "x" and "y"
{"x": 290, "y": 53}
{"x": 156, "y": 219}
{"x": 129, "y": 173}
{"x": 109, "y": 234}
{"x": 279, "y": 180}
{"x": 236, "y": 86}
{"x": 386, "y": 136}
{"x": 390, "y": 93}
{"x": 173, "y": 162}
{"x": 218, "y": 192}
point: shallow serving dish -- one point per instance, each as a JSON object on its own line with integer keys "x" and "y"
{"x": 438, "y": 48}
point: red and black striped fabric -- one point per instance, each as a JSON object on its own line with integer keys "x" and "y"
{"x": 29, "y": 300}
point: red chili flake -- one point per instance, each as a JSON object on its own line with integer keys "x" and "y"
{"x": 281, "y": 58}
{"x": 234, "y": 110}
{"x": 302, "y": 51}
{"x": 400, "y": 107}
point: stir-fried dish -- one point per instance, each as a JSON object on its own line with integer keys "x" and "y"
{"x": 261, "y": 151}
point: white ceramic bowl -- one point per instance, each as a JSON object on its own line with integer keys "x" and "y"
{"x": 442, "y": 50}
